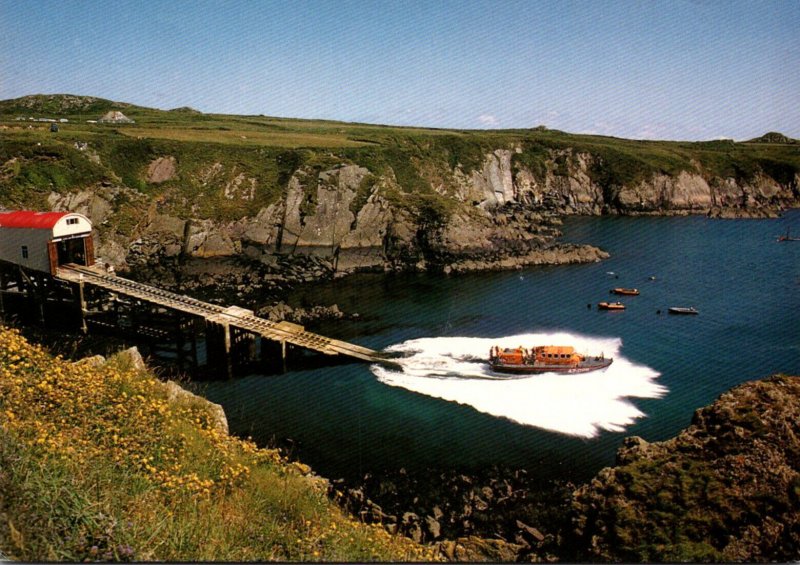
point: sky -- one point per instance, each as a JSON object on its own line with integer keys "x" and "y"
{"x": 680, "y": 69}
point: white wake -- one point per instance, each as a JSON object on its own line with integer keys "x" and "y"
{"x": 455, "y": 369}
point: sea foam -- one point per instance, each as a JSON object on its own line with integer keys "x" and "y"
{"x": 455, "y": 369}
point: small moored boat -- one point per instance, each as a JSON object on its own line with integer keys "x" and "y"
{"x": 682, "y": 310}
{"x": 544, "y": 359}
{"x": 610, "y": 306}
{"x": 626, "y": 291}
{"x": 787, "y": 237}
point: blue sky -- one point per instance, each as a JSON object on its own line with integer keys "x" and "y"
{"x": 647, "y": 70}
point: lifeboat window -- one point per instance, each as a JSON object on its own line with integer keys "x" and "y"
{"x": 24, "y": 251}
{"x": 72, "y": 221}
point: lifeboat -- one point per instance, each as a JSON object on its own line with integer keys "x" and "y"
{"x": 544, "y": 359}
{"x": 626, "y": 291}
{"x": 611, "y": 306}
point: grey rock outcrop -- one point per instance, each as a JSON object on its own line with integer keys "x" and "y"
{"x": 725, "y": 489}
{"x": 176, "y": 393}
{"x": 501, "y": 214}
{"x": 161, "y": 170}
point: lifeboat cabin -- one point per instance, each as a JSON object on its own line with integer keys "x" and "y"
{"x": 42, "y": 241}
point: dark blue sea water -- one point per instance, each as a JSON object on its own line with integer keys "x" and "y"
{"x": 443, "y": 411}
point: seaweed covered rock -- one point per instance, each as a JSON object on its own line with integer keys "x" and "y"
{"x": 725, "y": 489}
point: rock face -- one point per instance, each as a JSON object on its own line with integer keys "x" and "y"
{"x": 501, "y": 213}
{"x": 161, "y": 170}
{"x": 726, "y": 489}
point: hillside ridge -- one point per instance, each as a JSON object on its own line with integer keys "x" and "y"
{"x": 180, "y": 185}
{"x": 80, "y": 104}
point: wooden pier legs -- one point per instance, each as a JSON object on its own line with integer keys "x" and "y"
{"x": 273, "y": 356}
{"x": 228, "y": 348}
{"x": 218, "y": 348}
{"x": 80, "y": 305}
{"x": 243, "y": 349}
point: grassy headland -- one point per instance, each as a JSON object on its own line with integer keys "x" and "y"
{"x": 270, "y": 150}
{"x": 97, "y": 462}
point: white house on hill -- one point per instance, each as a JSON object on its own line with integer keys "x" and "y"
{"x": 115, "y": 117}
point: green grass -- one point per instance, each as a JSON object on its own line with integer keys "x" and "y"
{"x": 246, "y": 137}
{"x": 97, "y": 463}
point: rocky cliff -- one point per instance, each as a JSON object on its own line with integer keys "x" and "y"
{"x": 500, "y": 215}
{"x": 726, "y": 489}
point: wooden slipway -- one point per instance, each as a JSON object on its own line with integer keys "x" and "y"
{"x": 231, "y": 316}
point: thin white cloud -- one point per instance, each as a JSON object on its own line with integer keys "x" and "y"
{"x": 488, "y": 120}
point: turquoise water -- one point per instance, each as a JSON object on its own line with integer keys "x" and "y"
{"x": 444, "y": 411}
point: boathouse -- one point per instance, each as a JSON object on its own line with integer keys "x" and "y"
{"x": 42, "y": 241}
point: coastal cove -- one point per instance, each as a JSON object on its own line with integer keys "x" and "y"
{"x": 346, "y": 420}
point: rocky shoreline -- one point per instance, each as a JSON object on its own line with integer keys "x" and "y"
{"x": 726, "y": 489}
{"x": 522, "y": 517}
{"x": 264, "y": 284}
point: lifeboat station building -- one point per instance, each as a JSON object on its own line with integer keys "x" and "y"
{"x": 42, "y": 241}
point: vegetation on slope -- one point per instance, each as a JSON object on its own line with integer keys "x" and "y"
{"x": 727, "y": 489}
{"x": 97, "y": 463}
{"x": 212, "y": 151}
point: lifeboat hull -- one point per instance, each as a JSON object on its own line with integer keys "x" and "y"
{"x": 585, "y": 366}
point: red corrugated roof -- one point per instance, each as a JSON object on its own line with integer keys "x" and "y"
{"x": 30, "y": 219}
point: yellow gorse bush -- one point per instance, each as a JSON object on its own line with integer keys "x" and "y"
{"x": 80, "y": 411}
{"x": 168, "y": 484}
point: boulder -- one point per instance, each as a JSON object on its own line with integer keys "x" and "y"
{"x": 161, "y": 170}
{"x": 176, "y": 393}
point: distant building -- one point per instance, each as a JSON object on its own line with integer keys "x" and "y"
{"x": 115, "y": 117}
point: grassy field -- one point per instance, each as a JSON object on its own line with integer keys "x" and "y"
{"x": 226, "y": 136}
{"x": 97, "y": 463}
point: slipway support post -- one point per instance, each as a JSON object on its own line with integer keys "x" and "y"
{"x": 243, "y": 348}
{"x": 218, "y": 347}
{"x": 78, "y": 292}
{"x": 273, "y": 355}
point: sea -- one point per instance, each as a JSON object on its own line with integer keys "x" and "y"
{"x": 444, "y": 409}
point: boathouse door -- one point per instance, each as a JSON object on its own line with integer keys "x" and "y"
{"x": 78, "y": 250}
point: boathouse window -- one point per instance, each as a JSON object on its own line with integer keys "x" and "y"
{"x": 72, "y": 221}
{"x": 24, "y": 251}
